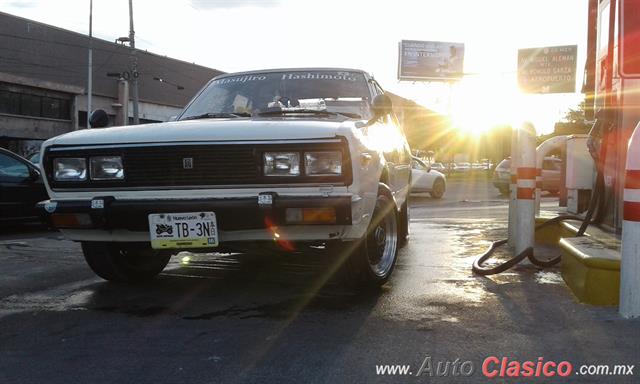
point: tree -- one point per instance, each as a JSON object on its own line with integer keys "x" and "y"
{"x": 573, "y": 122}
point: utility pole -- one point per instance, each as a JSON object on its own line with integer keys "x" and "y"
{"x": 134, "y": 68}
{"x": 90, "y": 66}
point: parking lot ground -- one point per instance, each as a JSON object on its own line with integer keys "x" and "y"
{"x": 229, "y": 318}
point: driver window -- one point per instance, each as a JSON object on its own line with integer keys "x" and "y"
{"x": 12, "y": 170}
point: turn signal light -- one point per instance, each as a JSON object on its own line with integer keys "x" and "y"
{"x": 311, "y": 215}
{"x": 71, "y": 220}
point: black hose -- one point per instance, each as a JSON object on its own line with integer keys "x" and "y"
{"x": 596, "y": 204}
{"x": 479, "y": 269}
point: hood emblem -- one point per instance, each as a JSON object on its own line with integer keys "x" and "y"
{"x": 187, "y": 163}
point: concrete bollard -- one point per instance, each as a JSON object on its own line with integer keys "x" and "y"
{"x": 630, "y": 249}
{"x": 513, "y": 187}
{"x": 525, "y": 194}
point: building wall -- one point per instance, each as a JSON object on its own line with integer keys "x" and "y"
{"x": 43, "y": 73}
{"x": 30, "y": 112}
{"x": 148, "y": 112}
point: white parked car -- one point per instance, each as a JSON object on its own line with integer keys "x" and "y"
{"x": 276, "y": 159}
{"x": 426, "y": 179}
{"x": 462, "y": 167}
{"x": 438, "y": 167}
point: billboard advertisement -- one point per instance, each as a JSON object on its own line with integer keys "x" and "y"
{"x": 547, "y": 69}
{"x": 430, "y": 60}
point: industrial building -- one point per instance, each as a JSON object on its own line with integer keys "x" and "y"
{"x": 44, "y": 76}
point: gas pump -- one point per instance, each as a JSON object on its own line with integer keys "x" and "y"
{"x": 602, "y": 16}
{"x": 612, "y": 83}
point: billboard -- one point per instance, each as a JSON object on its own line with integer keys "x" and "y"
{"x": 547, "y": 69}
{"x": 430, "y": 60}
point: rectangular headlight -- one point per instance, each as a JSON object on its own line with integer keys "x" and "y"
{"x": 106, "y": 168}
{"x": 70, "y": 169}
{"x": 281, "y": 164}
{"x": 325, "y": 163}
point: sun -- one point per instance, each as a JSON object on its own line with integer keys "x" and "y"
{"x": 479, "y": 104}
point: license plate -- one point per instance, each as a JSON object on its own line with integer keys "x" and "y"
{"x": 183, "y": 230}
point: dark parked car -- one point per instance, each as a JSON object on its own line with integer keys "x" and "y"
{"x": 35, "y": 158}
{"x": 21, "y": 188}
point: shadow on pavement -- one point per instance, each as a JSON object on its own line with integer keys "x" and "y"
{"x": 233, "y": 286}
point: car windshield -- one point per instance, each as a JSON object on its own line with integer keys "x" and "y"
{"x": 324, "y": 93}
{"x": 419, "y": 164}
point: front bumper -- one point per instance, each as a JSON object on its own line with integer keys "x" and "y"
{"x": 233, "y": 214}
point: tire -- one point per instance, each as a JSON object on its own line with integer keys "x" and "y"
{"x": 369, "y": 262}
{"x": 438, "y": 189}
{"x": 126, "y": 263}
{"x": 403, "y": 224}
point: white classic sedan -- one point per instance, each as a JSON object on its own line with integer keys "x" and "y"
{"x": 278, "y": 160}
{"x": 426, "y": 179}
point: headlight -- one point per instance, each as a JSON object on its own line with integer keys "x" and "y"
{"x": 327, "y": 163}
{"x": 70, "y": 169}
{"x": 281, "y": 164}
{"x": 106, "y": 168}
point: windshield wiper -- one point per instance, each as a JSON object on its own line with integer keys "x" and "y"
{"x": 278, "y": 112}
{"x": 217, "y": 115}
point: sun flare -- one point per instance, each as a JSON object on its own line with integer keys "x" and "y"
{"x": 478, "y": 105}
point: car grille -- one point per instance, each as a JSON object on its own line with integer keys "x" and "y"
{"x": 193, "y": 165}
{"x": 190, "y": 165}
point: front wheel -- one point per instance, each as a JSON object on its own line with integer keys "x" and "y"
{"x": 438, "y": 189}
{"x": 119, "y": 262}
{"x": 370, "y": 261}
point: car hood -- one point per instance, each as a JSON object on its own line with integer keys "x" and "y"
{"x": 210, "y": 130}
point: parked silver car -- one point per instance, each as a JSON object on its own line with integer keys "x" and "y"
{"x": 551, "y": 167}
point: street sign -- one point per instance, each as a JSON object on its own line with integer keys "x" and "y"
{"x": 548, "y": 69}
{"x": 430, "y": 60}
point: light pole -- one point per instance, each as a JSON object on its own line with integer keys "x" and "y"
{"x": 90, "y": 63}
{"x": 134, "y": 66}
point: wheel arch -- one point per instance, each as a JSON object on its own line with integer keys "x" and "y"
{"x": 387, "y": 191}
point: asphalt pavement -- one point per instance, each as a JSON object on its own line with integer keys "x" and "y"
{"x": 222, "y": 318}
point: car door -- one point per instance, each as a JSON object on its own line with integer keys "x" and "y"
{"x": 402, "y": 166}
{"x": 421, "y": 178}
{"x": 398, "y": 155}
{"x": 19, "y": 189}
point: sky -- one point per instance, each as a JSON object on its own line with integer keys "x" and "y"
{"x": 254, "y": 34}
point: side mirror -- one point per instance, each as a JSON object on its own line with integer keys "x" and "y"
{"x": 98, "y": 119}
{"x": 381, "y": 106}
{"x": 429, "y": 168}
